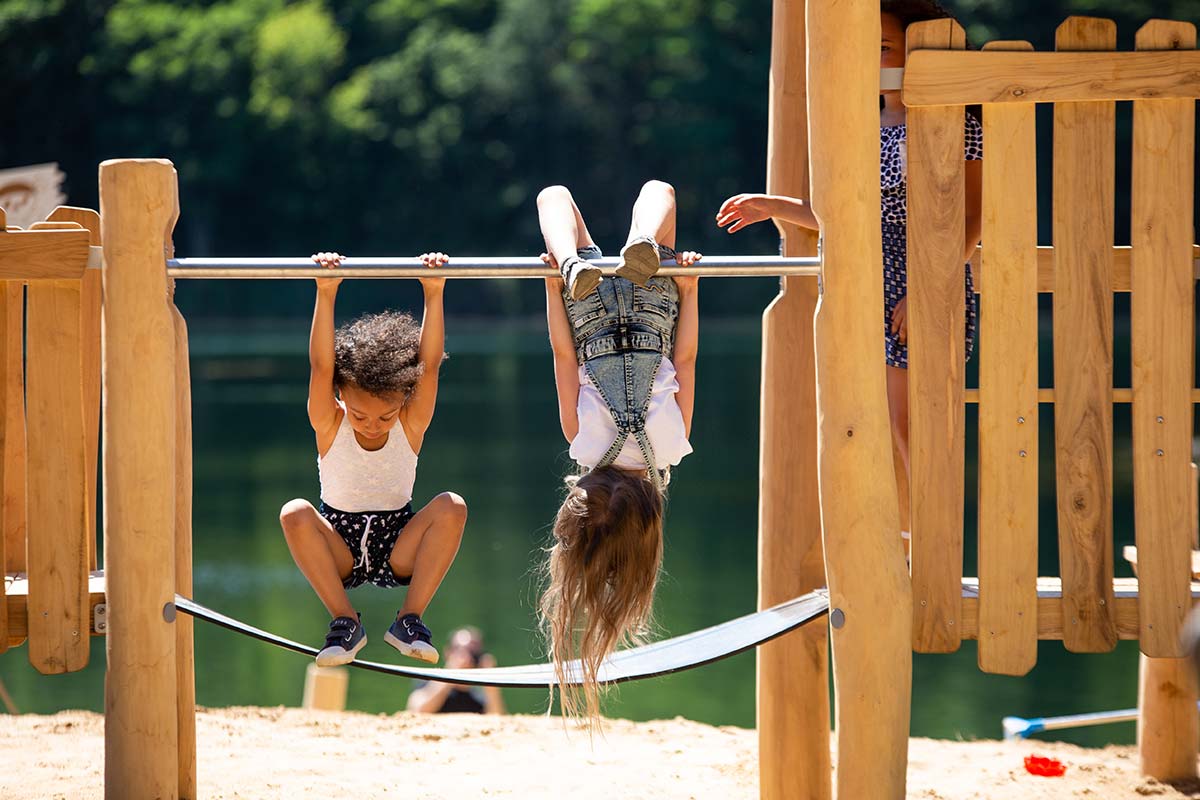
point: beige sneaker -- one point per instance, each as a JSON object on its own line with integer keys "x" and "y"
{"x": 581, "y": 278}
{"x": 639, "y": 260}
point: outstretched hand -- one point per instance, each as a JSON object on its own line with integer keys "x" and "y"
{"x": 743, "y": 209}
{"x": 328, "y": 261}
{"x": 433, "y": 261}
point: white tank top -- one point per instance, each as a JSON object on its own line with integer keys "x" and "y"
{"x": 358, "y": 480}
{"x": 664, "y": 425}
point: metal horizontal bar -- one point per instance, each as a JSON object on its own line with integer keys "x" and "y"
{"x": 471, "y": 267}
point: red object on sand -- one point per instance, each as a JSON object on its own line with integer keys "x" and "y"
{"x": 1045, "y": 767}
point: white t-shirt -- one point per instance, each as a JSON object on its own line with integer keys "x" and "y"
{"x": 664, "y": 425}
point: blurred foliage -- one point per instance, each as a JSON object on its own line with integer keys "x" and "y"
{"x": 393, "y": 126}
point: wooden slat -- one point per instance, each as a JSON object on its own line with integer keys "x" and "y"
{"x": 1122, "y": 257}
{"x": 1050, "y": 613}
{"x": 936, "y": 357}
{"x": 1163, "y": 340}
{"x": 17, "y": 589}
{"x": 58, "y": 524}
{"x": 1083, "y": 237}
{"x": 185, "y": 664}
{"x": 1008, "y": 408}
{"x": 933, "y": 78}
{"x": 90, "y": 320}
{"x": 44, "y": 255}
{"x": 1046, "y": 395}
{"x": 12, "y": 433}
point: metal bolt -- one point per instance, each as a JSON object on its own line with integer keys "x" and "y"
{"x": 837, "y": 618}
{"x": 1159, "y": 453}
{"x": 1160, "y": 420}
{"x": 849, "y": 433}
{"x": 75, "y": 633}
{"x": 924, "y": 602}
{"x": 1022, "y": 454}
{"x": 1101, "y": 601}
{"x": 169, "y": 612}
{"x": 1018, "y": 92}
{"x": 1020, "y": 420}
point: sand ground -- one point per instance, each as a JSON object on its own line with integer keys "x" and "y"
{"x": 292, "y": 753}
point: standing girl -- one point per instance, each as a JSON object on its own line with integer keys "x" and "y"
{"x": 746, "y": 209}
{"x": 625, "y": 371}
{"x": 370, "y": 375}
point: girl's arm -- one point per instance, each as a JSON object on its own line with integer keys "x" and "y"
{"x": 687, "y": 341}
{"x": 323, "y": 409}
{"x": 566, "y": 368}
{"x": 746, "y": 209}
{"x": 418, "y": 411}
{"x": 974, "y": 191}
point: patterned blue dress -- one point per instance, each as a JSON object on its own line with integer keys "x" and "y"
{"x": 893, "y": 141}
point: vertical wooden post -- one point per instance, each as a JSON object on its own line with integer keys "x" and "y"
{"x": 325, "y": 688}
{"x": 1008, "y": 384}
{"x": 185, "y": 665}
{"x": 1163, "y": 349}
{"x": 1084, "y": 153}
{"x": 14, "y": 426}
{"x": 793, "y": 693}
{"x": 138, "y": 208}
{"x": 870, "y": 593}
{"x": 90, "y": 320}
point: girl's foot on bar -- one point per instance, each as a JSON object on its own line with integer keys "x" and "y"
{"x": 639, "y": 260}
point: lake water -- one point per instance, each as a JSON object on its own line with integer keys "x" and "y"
{"x": 496, "y": 441}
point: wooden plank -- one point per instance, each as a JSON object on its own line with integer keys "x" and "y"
{"x": 936, "y": 354}
{"x": 43, "y": 255}
{"x": 12, "y": 432}
{"x": 935, "y": 78}
{"x": 869, "y": 589}
{"x": 90, "y": 320}
{"x": 17, "y": 589}
{"x": 1008, "y": 408}
{"x": 1122, "y": 257}
{"x": 185, "y": 664}
{"x": 1046, "y": 395}
{"x": 1083, "y": 341}
{"x": 794, "y": 760}
{"x": 58, "y": 550}
{"x": 1162, "y": 349}
{"x": 1050, "y": 613}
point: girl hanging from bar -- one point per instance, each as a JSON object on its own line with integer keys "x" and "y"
{"x": 624, "y": 368}
{"x": 746, "y": 209}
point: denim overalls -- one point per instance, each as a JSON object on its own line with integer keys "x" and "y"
{"x": 622, "y": 332}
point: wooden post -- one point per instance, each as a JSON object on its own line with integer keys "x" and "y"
{"x": 90, "y": 320}
{"x": 138, "y": 208}
{"x": 12, "y": 442}
{"x": 870, "y": 594}
{"x": 185, "y": 665}
{"x": 1008, "y": 384}
{"x": 1168, "y": 729}
{"x": 1084, "y": 152}
{"x": 325, "y": 688}
{"x": 793, "y": 681}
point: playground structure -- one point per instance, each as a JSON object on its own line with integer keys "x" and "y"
{"x": 826, "y": 462}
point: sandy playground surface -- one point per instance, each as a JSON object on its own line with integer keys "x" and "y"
{"x": 292, "y": 753}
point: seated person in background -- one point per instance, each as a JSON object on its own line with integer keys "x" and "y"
{"x": 464, "y": 650}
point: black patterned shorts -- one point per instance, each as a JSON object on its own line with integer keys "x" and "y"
{"x": 370, "y": 535}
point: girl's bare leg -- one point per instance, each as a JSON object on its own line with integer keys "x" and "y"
{"x": 427, "y": 547}
{"x": 654, "y": 214}
{"x": 561, "y": 223}
{"x": 320, "y": 554}
{"x": 897, "y": 391}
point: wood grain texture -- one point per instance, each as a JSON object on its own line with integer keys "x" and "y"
{"x": 58, "y": 525}
{"x": 90, "y": 321}
{"x": 43, "y": 254}
{"x": 934, "y": 78}
{"x": 869, "y": 589}
{"x": 1162, "y": 350}
{"x": 9, "y": 372}
{"x": 936, "y": 355}
{"x": 1168, "y": 728}
{"x": 1121, "y": 260}
{"x": 1083, "y": 342}
{"x": 793, "y": 740}
{"x": 185, "y": 662}
{"x": 14, "y": 426}
{"x": 138, "y": 208}
{"x": 1008, "y": 384}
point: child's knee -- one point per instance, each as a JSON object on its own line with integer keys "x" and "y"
{"x": 295, "y": 513}
{"x": 659, "y": 186}
{"x": 552, "y": 194}
{"x": 453, "y": 507}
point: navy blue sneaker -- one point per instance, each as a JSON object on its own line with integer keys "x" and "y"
{"x": 410, "y": 636}
{"x": 345, "y": 638}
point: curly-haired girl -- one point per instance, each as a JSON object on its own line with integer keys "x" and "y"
{"x": 746, "y": 209}
{"x": 366, "y": 377}
{"x": 625, "y": 369}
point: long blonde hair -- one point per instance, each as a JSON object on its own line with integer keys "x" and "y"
{"x": 600, "y": 577}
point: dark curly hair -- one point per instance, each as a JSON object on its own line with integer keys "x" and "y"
{"x": 379, "y": 354}
{"x": 910, "y": 11}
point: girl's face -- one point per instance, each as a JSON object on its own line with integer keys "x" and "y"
{"x": 891, "y": 42}
{"x": 371, "y": 416}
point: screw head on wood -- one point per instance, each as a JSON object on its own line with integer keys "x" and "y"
{"x": 1020, "y": 420}
{"x": 1022, "y": 454}
{"x": 837, "y": 618}
{"x": 1159, "y": 453}
{"x": 169, "y": 612}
